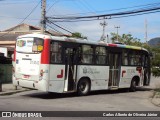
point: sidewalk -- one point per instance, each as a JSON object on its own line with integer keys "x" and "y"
{"x": 9, "y": 88}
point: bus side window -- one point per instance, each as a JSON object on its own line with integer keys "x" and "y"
{"x": 55, "y": 52}
{"x": 135, "y": 58}
{"x": 87, "y": 54}
{"x": 101, "y": 55}
{"x": 132, "y": 58}
{"x": 125, "y": 57}
{"x": 146, "y": 61}
{"x": 143, "y": 60}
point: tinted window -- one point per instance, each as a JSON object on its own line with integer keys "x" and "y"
{"x": 135, "y": 58}
{"x": 125, "y": 57}
{"x": 55, "y": 54}
{"x": 101, "y": 55}
{"x": 87, "y": 54}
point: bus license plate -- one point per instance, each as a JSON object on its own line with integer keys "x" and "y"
{"x": 25, "y": 76}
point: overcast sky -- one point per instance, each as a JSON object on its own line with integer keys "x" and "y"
{"x": 12, "y": 12}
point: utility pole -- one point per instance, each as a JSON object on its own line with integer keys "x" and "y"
{"x": 103, "y": 24}
{"x": 117, "y": 27}
{"x": 146, "y": 31}
{"x": 43, "y": 16}
{"x": 108, "y": 38}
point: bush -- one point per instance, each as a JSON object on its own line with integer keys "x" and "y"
{"x": 156, "y": 72}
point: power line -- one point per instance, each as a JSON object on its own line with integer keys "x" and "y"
{"x": 134, "y": 12}
{"x": 148, "y": 8}
{"x": 146, "y": 5}
{"x": 24, "y": 18}
{"x": 86, "y": 5}
{"x": 54, "y": 29}
{"x": 98, "y": 19}
{"x": 56, "y": 1}
{"x": 17, "y": 18}
{"x": 82, "y": 20}
{"x": 66, "y": 27}
{"x": 16, "y": 2}
{"x": 59, "y": 26}
{"x": 89, "y": 5}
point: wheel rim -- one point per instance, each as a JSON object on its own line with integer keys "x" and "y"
{"x": 83, "y": 86}
{"x": 134, "y": 84}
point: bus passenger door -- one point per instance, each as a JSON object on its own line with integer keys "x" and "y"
{"x": 147, "y": 71}
{"x": 70, "y": 68}
{"x": 114, "y": 70}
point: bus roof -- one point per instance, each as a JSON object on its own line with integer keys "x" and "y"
{"x": 67, "y": 39}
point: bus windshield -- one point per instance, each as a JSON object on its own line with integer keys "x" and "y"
{"x": 29, "y": 45}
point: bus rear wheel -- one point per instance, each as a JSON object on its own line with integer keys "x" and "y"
{"x": 133, "y": 86}
{"x": 83, "y": 87}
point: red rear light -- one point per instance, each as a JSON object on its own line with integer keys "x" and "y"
{"x": 14, "y": 55}
{"x": 139, "y": 69}
{"x": 123, "y": 72}
{"x": 41, "y": 73}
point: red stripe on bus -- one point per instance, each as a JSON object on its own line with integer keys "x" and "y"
{"x": 60, "y": 75}
{"x": 112, "y": 45}
{"x": 14, "y": 55}
{"x": 45, "y": 57}
{"x": 123, "y": 72}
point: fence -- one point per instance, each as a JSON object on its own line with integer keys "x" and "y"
{"x": 5, "y": 73}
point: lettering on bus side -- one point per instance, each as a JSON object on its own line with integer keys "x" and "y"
{"x": 90, "y": 71}
{"x": 34, "y": 62}
{"x": 130, "y": 71}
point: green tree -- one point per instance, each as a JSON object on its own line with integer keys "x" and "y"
{"x": 78, "y": 35}
{"x": 127, "y": 39}
{"x": 156, "y": 61}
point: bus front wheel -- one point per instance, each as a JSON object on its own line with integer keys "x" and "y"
{"x": 83, "y": 87}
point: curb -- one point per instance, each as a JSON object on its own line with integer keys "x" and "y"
{"x": 12, "y": 92}
{"x": 156, "y": 99}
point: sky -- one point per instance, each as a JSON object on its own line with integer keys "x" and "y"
{"x": 13, "y": 12}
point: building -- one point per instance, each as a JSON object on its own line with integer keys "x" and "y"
{"x": 8, "y": 37}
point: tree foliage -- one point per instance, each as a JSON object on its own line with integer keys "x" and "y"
{"x": 156, "y": 61}
{"x": 78, "y": 35}
{"x": 127, "y": 39}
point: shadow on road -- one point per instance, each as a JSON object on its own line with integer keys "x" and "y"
{"x": 44, "y": 95}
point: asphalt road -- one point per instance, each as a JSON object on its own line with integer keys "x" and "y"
{"x": 119, "y": 100}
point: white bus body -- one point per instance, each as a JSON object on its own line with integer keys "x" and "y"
{"x": 48, "y": 63}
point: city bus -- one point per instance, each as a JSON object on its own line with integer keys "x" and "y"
{"x": 63, "y": 64}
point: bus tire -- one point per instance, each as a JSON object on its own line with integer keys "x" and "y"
{"x": 133, "y": 85}
{"x": 83, "y": 87}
